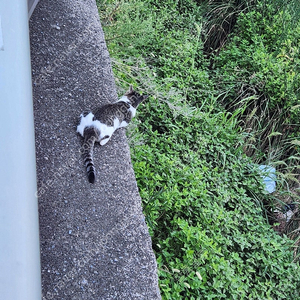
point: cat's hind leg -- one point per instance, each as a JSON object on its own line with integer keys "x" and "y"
{"x": 106, "y": 134}
{"x": 105, "y": 139}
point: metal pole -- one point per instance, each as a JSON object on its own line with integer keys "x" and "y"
{"x": 20, "y": 276}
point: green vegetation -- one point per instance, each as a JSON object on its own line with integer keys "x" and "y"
{"x": 224, "y": 85}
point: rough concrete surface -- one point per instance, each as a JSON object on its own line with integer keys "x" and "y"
{"x": 94, "y": 240}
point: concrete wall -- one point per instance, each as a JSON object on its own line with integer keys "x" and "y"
{"x": 19, "y": 231}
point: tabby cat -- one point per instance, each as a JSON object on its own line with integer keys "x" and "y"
{"x": 100, "y": 126}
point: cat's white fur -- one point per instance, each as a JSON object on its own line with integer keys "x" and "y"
{"x": 104, "y": 130}
{"x": 124, "y": 98}
{"x": 132, "y": 110}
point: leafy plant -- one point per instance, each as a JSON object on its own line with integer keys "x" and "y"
{"x": 206, "y": 224}
{"x": 203, "y": 199}
{"x": 258, "y": 70}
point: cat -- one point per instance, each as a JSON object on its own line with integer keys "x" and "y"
{"x": 100, "y": 126}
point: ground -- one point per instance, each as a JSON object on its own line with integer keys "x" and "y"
{"x": 94, "y": 240}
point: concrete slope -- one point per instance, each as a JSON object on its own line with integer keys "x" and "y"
{"x": 94, "y": 240}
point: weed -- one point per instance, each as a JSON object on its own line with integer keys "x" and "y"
{"x": 203, "y": 198}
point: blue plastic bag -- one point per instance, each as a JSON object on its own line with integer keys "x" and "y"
{"x": 269, "y": 178}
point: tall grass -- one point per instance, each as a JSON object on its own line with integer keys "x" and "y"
{"x": 220, "y": 18}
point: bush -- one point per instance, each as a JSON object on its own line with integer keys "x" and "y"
{"x": 263, "y": 59}
{"x": 202, "y": 196}
{"x": 201, "y": 199}
{"x": 259, "y": 71}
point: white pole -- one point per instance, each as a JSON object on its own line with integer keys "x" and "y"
{"x": 20, "y": 276}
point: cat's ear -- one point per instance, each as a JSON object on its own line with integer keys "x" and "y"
{"x": 130, "y": 91}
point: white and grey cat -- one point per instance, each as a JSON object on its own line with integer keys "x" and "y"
{"x": 100, "y": 126}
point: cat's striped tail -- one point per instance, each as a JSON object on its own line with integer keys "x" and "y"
{"x": 90, "y": 136}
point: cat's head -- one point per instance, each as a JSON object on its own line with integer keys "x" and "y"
{"x": 134, "y": 97}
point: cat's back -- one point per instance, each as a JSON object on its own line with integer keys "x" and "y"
{"x": 109, "y": 112}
